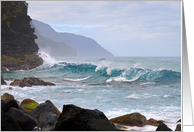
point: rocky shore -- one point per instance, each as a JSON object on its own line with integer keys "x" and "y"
{"x": 29, "y": 115}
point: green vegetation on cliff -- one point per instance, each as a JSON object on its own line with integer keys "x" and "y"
{"x": 11, "y": 8}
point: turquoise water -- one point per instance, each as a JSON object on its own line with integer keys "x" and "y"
{"x": 115, "y": 86}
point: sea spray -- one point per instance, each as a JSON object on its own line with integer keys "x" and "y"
{"x": 117, "y": 87}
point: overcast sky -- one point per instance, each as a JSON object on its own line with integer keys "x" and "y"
{"x": 125, "y": 28}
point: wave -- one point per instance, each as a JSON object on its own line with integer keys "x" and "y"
{"x": 104, "y": 74}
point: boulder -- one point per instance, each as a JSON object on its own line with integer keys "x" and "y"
{"x": 178, "y": 127}
{"x": 134, "y": 119}
{"x": 25, "y": 122}
{"x": 8, "y": 123}
{"x": 74, "y": 118}
{"x": 28, "y": 105}
{"x": 154, "y": 122}
{"x": 6, "y": 105}
{"x": 30, "y": 81}
{"x": 163, "y": 127}
{"x": 2, "y": 81}
{"x": 46, "y": 115}
{"x": 7, "y": 96}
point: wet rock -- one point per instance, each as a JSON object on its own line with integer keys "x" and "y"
{"x": 28, "y": 105}
{"x": 154, "y": 122}
{"x": 63, "y": 63}
{"x": 6, "y": 105}
{"x": 10, "y": 88}
{"x": 74, "y": 118}
{"x": 163, "y": 127}
{"x": 25, "y": 122}
{"x": 178, "y": 127}
{"x": 7, "y": 96}
{"x": 2, "y": 81}
{"x": 46, "y": 115}
{"x": 134, "y": 119}
{"x": 30, "y": 81}
{"x": 8, "y": 123}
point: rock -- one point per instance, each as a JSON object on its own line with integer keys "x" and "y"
{"x": 154, "y": 122}
{"x": 74, "y": 118}
{"x": 163, "y": 127}
{"x": 18, "y": 38}
{"x": 28, "y": 105}
{"x": 2, "y": 81}
{"x": 10, "y": 88}
{"x": 178, "y": 127}
{"x": 7, "y": 96}
{"x": 46, "y": 115}
{"x": 134, "y": 119}
{"x": 30, "y": 81}
{"x": 63, "y": 63}
{"x": 178, "y": 121}
{"x": 8, "y": 123}
{"x": 6, "y": 105}
{"x": 25, "y": 122}
{"x": 26, "y": 62}
{"x": 16, "y": 82}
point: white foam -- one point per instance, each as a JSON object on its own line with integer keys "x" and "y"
{"x": 109, "y": 71}
{"x": 47, "y": 58}
{"x": 76, "y": 80}
{"x": 102, "y": 66}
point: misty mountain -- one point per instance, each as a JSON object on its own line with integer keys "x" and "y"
{"x": 84, "y": 46}
{"x": 52, "y": 47}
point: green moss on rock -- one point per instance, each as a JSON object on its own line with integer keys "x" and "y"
{"x": 28, "y": 105}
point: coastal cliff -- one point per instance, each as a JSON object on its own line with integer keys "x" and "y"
{"x": 18, "y": 47}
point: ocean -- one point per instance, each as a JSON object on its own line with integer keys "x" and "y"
{"x": 116, "y": 85}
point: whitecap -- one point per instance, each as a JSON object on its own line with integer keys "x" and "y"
{"x": 75, "y": 80}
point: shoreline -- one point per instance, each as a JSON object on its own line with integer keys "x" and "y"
{"x": 144, "y": 128}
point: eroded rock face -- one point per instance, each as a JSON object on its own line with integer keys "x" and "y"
{"x": 74, "y": 118}
{"x": 17, "y": 38}
{"x": 26, "y": 62}
{"x": 30, "y": 81}
{"x": 134, "y": 119}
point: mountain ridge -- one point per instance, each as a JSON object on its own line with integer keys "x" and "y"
{"x": 84, "y": 46}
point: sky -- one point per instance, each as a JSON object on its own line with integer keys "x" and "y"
{"x": 125, "y": 28}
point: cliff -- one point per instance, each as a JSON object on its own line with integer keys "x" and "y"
{"x": 84, "y": 46}
{"x": 18, "y": 47}
{"x": 52, "y": 47}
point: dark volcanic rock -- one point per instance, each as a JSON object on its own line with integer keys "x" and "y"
{"x": 6, "y": 105}
{"x": 8, "y": 123}
{"x": 74, "y": 118}
{"x": 30, "y": 81}
{"x": 2, "y": 81}
{"x": 17, "y": 38}
{"x": 25, "y": 122}
{"x": 178, "y": 127}
{"x": 134, "y": 119}
{"x": 46, "y": 115}
{"x": 163, "y": 127}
